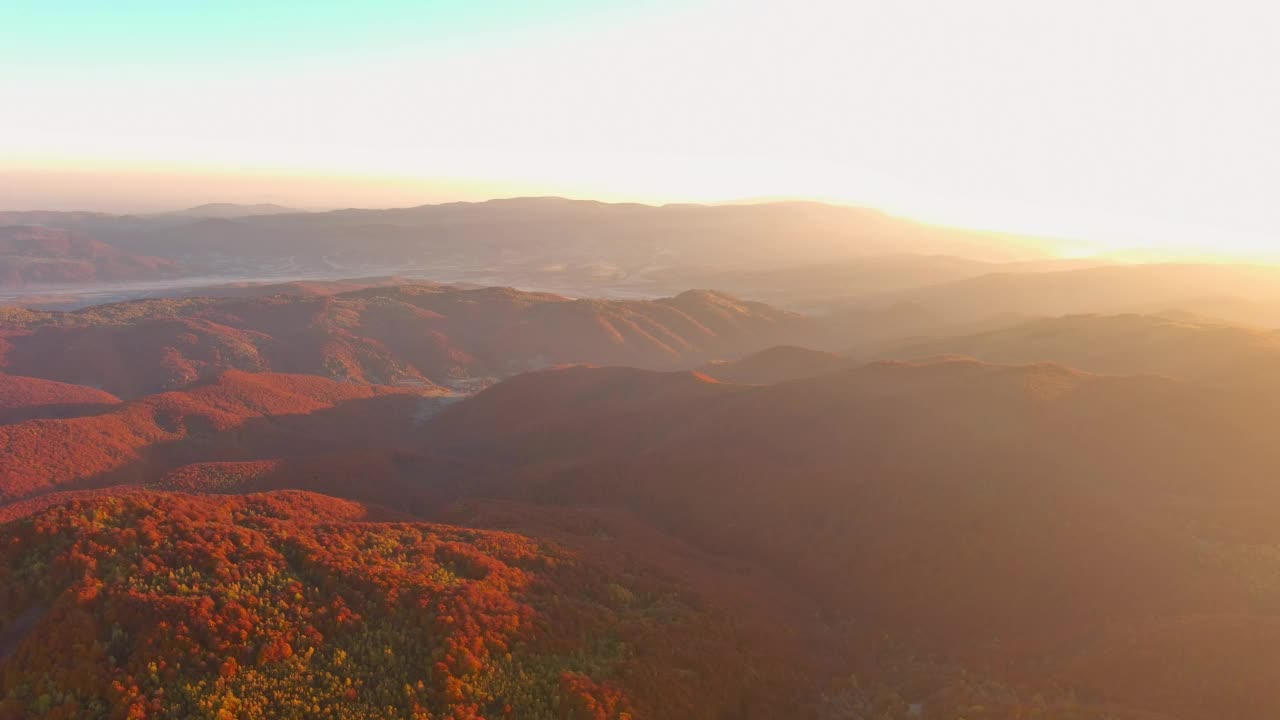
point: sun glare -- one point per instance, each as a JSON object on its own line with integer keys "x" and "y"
{"x": 1115, "y": 124}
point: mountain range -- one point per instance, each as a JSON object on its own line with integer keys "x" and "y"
{"x": 909, "y": 473}
{"x": 1014, "y": 529}
{"x": 809, "y": 257}
{"x": 416, "y": 335}
{"x": 552, "y": 243}
{"x": 32, "y": 255}
{"x": 231, "y": 210}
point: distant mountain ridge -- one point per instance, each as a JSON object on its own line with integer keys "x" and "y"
{"x": 420, "y": 335}
{"x": 232, "y": 210}
{"x": 775, "y": 365}
{"x": 1237, "y": 293}
{"x": 1177, "y": 345}
{"x": 35, "y": 255}
{"x": 540, "y": 242}
{"x": 1021, "y": 488}
{"x": 805, "y": 256}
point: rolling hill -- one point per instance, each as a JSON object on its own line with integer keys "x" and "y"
{"x": 775, "y": 365}
{"x": 32, "y": 255}
{"x": 233, "y": 416}
{"x": 834, "y": 283}
{"x": 1238, "y": 293}
{"x": 609, "y": 463}
{"x": 1173, "y": 344}
{"x": 954, "y": 533}
{"x": 1021, "y": 519}
{"x": 295, "y": 605}
{"x": 573, "y": 246}
{"x": 791, "y": 533}
{"x": 419, "y": 335}
{"x": 25, "y": 398}
{"x": 698, "y": 232}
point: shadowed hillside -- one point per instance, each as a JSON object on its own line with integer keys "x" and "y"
{"x": 1014, "y": 518}
{"x": 954, "y": 533}
{"x": 775, "y": 365}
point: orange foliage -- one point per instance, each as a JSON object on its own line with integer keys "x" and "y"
{"x": 135, "y": 442}
{"x": 291, "y": 605}
{"x": 23, "y": 398}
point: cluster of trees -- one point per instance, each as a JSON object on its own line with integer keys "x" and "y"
{"x": 158, "y": 605}
{"x": 135, "y": 441}
{"x": 144, "y": 604}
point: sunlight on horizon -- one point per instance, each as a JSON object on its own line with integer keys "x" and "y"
{"x": 1091, "y": 122}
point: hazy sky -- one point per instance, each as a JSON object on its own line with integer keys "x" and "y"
{"x": 1131, "y": 123}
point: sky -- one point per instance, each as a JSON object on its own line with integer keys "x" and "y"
{"x": 1124, "y": 124}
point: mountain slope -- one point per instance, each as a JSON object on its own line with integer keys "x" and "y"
{"x": 233, "y": 416}
{"x": 955, "y": 533}
{"x": 1239, "y": 293}
{"x": 419, "y": 335}
{"x": 1005, "y": 517}
{"x": 775, "y": 365}
{"x": 294, "y": 605}
{"x": 1176, "y": 345}
{"x": 833, "y": 283}
{"x": 24, "y": 398}
{"x": 37, "y": 255}
{"x": 575, "y": 245}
